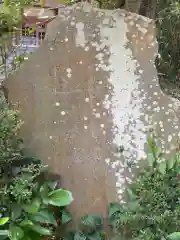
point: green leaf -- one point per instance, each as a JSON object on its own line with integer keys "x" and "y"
{"x": 158, "y": 151}
{"x": 32, "y": 207}
{"x": 96, "y": 236}
{"x": 92, "y": 222}
{"x": 16, "y": 211}
{"x": 41, "y": 230}
{"x": 133, "y": 206}
{"x": 15, "y": 232}
{"x": 162, "y": 167}
{"x": 66, "y": 216}
{"x": 52, "y": 184}
{"x": 44, "y": 216}
{"x": 31, "y": 236}
{"x": 170, "y": 163}
{"x": 151, "y": 159}
{"x": 79, "y": 236}
{"x": 113, "y": 209}
{"x": 130, "y": 194}
{"x": 26, "y": 222}
{"x": 59, "y": 197}
{"x": 178, "y": 157}
{"x": 174, "y": 236}
{"x": 44, "y": 190}
{"x": 3, "y": 220}
{"x": 4, "y": 232}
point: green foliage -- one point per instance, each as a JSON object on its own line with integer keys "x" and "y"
{"x": 91, "y": 228}
{"x": 23, "y": 220}
{"x": 10, "y": 143}
{"x": 17, "y": 171}
{"x": 168, "y": 25}
{"x": 29, "y": 205}
{"x": 151, "y": 211}
{"x": 11, "y": 14}
{"x": 174, "y": 236}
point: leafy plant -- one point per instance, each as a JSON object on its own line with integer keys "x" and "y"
{"x": 174, "y": 236}
{"x": 168, "y": 23}
{"x": 91, "y": 228}
{"x": 151, "y": 211}
{"x": 36, "y": 217}
{"x": 17, "y": 170}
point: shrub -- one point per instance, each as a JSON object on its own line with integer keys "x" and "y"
{"x": 31, "y": 219}
{"x": 151, "y": 211}
{"x": 91, "y": 228}
{"x": 13, "y": 163}
{"x": 168, "y": 37}
{"x": 30, "y": 205}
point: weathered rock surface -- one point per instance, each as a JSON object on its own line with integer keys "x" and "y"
{"x": 91, "y": 87}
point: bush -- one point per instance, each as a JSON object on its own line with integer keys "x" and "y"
{"x": 168, "y": 37}
{"x": 151, "y": 211}
{"x": 14, "y": 164}
{"x": 30, "y": 205}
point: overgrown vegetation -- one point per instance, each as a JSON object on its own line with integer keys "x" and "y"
{"x": 30, "y": 205}
{"x": 151, "y": 211}
{"x": 168, "y": 36}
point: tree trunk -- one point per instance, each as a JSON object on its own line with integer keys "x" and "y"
{"x": 133, "y": 5}
{"x": 148, "y": 8}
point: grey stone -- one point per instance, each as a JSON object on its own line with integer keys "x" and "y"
{"x": 90, "y": 88}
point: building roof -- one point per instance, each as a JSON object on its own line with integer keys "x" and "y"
{"x": 35, "y": 15}
{"x": 49, "y": 4}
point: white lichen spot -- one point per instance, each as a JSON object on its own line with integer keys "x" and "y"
{"x": 102, "y": 125}
{"x": 85, "y": 127}
{"x": 97, "y": 115}
{"x": 66, "y": 39}
{"x": 120, "y": 191}
{"x": 72, "y": 23}
{"x": 85, "y": 118}
{"x": 118, "y": 184}
{"x": 86, "y": 99}
{"x": 86, "y": 49}
{"x": 80, "y": 36}
{"x": 169, "y": 138}
{"x": 63, "y": 113}
{"x": 57, "y": 104}
{"x": 50, "y": 137}
{"x": 107, "y": 160}
{"x": 69, "y": 75}
{"x": 68, "y": 70}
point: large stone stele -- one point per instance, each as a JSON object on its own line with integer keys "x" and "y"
{"x": 90, "y": 88}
